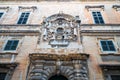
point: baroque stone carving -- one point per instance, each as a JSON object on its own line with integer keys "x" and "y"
{"x": 59, "y": 27}
{"x": 43, "y": 66}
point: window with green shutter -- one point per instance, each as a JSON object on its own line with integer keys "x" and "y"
{"x": 97, "y": 18}
{"x": 107, "y": 45}
{"x": 23, "y": 18}
{"x": 11, "y": 45}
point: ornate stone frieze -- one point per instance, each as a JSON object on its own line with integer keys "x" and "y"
{"x": 59, "y": 28}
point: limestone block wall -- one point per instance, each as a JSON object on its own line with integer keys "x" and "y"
{"x": 26, "y": 46}
{"x": 93, "y": 48}
{"x": 45, "y": 9}
{"x": 72, "y": 8}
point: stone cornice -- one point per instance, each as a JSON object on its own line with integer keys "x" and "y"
{"x": 18, "y": 27}
{"x": 37, "y": 25}
{"x": 116, "y": 7}
{"x": 8, "y": 53}
{"x": 110, "y": 66}
{"x": 33, "y": 8}
{"x": 100, "y": 29}
{"x": 43, "y": 56}
{"x": 86, "y": 29}
{"x": 99, "y": 24}
{"x": 100, "y": 32}
{"x": 20, "y": 32}
{"x": 5, "y": 8}
{"x": 92, "y": 7}
{"x": 9, "y": 65}
{"x": 63, "y": 0}
{"x": 32, "y": 25}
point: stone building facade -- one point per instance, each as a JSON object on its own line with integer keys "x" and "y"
{"x": 60, "y": 40}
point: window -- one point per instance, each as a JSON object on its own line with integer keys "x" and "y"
{"x": 107, "y": 45}
{"x": 2, "y": 76}
{"x": 11, "y": 45}
{"x": 1, "y": 13}
{"x": 23, "y": 18}
{"x": 97, "y": 18}
{"x": 115, "y": 77}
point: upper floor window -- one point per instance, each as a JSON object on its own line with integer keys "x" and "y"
{"x": 11, "y": 45}
{"x": 97, "y": 18}
{"x": 2, "y": 76}
{"x": 107, "y": 45}
{"x": 23, "y": 18}
{"x": 1, "y": 13}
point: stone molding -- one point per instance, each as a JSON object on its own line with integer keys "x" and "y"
{"x": 116, "y": 7}
{"x": 100, "y": 32}
{"x": 7, "y": 8}
{"x": 101, "y": 7}
{"x": 20, "y": 32}
{"x": 110, "y": 66}
{"x": 42, "y": 56}
{"x": 32, "y": 8}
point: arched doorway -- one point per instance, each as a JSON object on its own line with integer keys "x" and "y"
{"x": 58, "y": 77}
